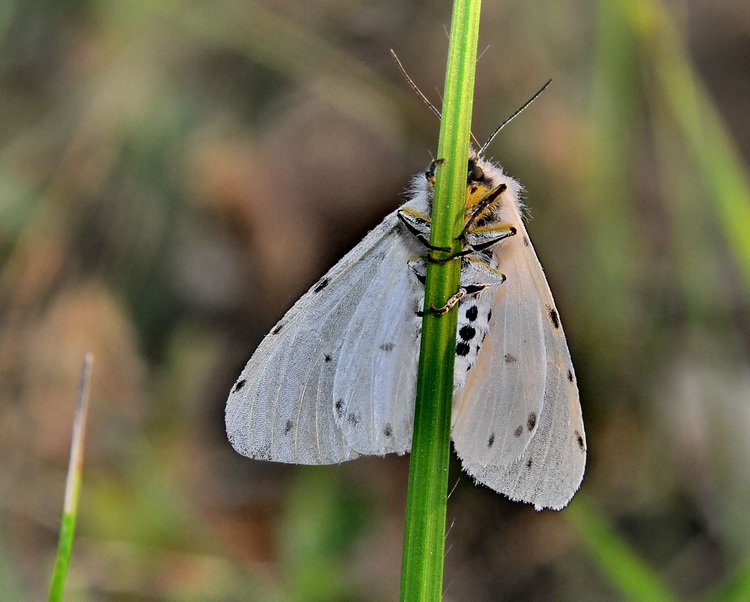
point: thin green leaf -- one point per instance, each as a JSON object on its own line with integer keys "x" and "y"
{"x": 72, "y": 485}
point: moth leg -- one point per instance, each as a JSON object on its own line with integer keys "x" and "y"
{"x": 450, "y": 303}
{"x": 476, "y": 276}
{"x": 418, "y": 265}
{"x": 485, "y": 237}
{"x": 479, "y": 239}
{"x": 419, "y": 226}
{"x": 483, "y": 203}
{"x": 476, "y": 272}
{"x": 464, "y": 291}
{"x": 457, "y": 255}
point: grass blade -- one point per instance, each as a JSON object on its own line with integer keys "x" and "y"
{"x": 72, "y": 485}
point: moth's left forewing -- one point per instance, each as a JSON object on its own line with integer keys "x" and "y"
{"x": 375, "y": 381}
{"x": 283, "y": 408}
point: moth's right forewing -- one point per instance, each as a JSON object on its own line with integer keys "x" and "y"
{"x": 282, "y": 407}
{"x": 550, "y": 468}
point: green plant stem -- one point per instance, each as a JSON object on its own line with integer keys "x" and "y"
{"x": 72, "y": 486}
{"x": 424, "y": 537}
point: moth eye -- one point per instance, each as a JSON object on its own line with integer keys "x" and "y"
{"x": 476, "y": 173}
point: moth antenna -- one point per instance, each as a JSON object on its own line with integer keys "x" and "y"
{"x": 483, "y": 148}
{"x": 419, "y": 92}
{"x": 414, "y": 87}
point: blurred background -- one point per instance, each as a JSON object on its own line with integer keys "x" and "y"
{"x": 174, "y": 174}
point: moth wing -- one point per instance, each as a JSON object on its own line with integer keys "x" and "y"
{"x": 549, "y": 469}
{"x": 282, "y": 407}
{"x": 495, "y": 413}
{"x": 375, "y": 383}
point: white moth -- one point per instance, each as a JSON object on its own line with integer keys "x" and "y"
{"x": 335, "y": 379}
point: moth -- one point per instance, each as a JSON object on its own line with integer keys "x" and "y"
{"x": 335, "y": 379}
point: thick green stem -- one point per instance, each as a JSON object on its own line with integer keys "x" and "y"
{"x": 424, "y": 538}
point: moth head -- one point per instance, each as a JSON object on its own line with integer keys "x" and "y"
{"x": 478, "y": 186}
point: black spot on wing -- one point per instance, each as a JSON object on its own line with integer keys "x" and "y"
{"x": 462, "y": 348}
{"x": 489, "y": 315}
{"x": 387, "y": 347}
{"x": 570, "y": 375}
{"x": 288, "y": 427}
{"x": 238, "y": 385}
{"x": 526, "y": 242}
{"x": 352, "y": 419}
{"x": 340, "y": 408}
{"x": 467, "y": 332}
{"x": 321, "y": 285}
{"x": 264, "y": 453}
{"x": 491, "y": 440}
{"x": 518, "y": 431}
{"x": 531, "y": 421}
{"x": 529, "y": 463}
{"x": 510, "y": 359}
{"x": 326, "y": 358}
{"x": 278, "y": 328}
{"x": 581, "y": 442}
{"x": 388, "y": 430}
{"x": 553, "y": 316}
{"x": 472, "y": 313}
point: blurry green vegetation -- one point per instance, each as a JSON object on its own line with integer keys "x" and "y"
{"x": 174, "y": 174}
